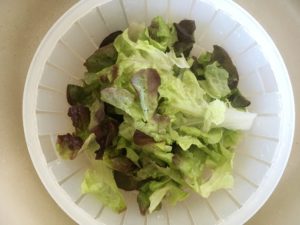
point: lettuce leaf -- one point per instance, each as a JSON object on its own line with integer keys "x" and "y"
{"x": 220, "y": 176}
{"x": 100, "y": 183}
{"x": 133, "y": 56}
{"x": 152, "y": 194}
{"x": 221, "y": 56}
{"x": 161, "y": 35}
{"x": 68, "y": 145}
{"x": 185, "y": 34}
{"x": 182, "y": 95}
{"x": 121, "y": 99}
{"x": 216, "y": 81}
{"x": 206, "y": 170}
{"x": 152, "y": 118}
{"x": 146, "y": 83}
{"x": 101, "y": 58}
{"x": 237, "y": 120}
{"x": 82, "y": 95}
{"x": 191, "y": 165}
{"x": 170, "y": 191}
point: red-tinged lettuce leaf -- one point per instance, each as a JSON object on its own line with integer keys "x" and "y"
{"x": 103, "y": 57}
{"x": 122, "y": 164}
{"x": 99, "y": 154}
{"x": 68, "y": 145}
{"x": 111, "y": 112}
{"x": 146, "y": 83}
{"x": 80, "y": 116}
{"x": 140, "y": 138}
{"x": 110, "y": 38}
{"x": 185, "y": 34}
{"x": 185, "y": 30}
{"x": 162, "y": 121}
{"x": 113, "y": 129}
{"x": 99, "y": 113}
{"x": 105, "y": 133}
{"x": 219, "y": 54}
{"x": 183, "y": 48}
{"x": 237, "y": 100}
{"x": 123, "y": 100}
{"x": 126, "y": 182}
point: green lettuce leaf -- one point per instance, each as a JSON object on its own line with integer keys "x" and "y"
{"x": 159, "y": 150}
{"x": 126, "y": 129}
{"x": 152, "y": 169}
{"x": 132, "y": 155}
{"x": 182, "y": 95}
{"x": 206, "y": 170}
{"x": 214, "y": 115}
{"x": 156, "y": 197}
{"x": 86, "y": 95}
{"x": 90, "y": 146}
{"x": 185, "y": 141}
{"x": 152, "y": 194}
{"x": 171, "y": 192}
{"x": 136, "y": 32}
{"x": 97, "y": 114}
{"x": 216, "y": 83}
{"x": 103, "y": 78}
{"x": 161, "y": 35}
{"x": 221, "y": 176}
{"x": 121, "y": 99}
{"x": 205, "y": 58}
{"x": 134, "y": 56}
{"x": 231, "y": 138}
{"x": 211, "y": 137}
{"x": 103, "y": 57}
{"x": 100, "y": 183}
{"x": 191, "y": 165}
{"x": 237, "y": 120}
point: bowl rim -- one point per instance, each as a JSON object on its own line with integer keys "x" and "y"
{"x": 270, "y": 181}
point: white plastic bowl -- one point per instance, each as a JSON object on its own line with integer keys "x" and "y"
{"x": 260, "y": 159}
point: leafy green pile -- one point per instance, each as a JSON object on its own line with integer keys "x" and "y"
{"x": 152, "y": 118}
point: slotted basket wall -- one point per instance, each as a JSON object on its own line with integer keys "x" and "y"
{"x": 261, "y": 157}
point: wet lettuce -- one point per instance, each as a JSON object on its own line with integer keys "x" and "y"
{"x": 152, "y": 118}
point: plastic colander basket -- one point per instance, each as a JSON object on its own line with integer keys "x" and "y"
{"x": 261, "y": 157}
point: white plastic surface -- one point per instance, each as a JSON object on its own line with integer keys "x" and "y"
{"x": 261, "y": 157}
